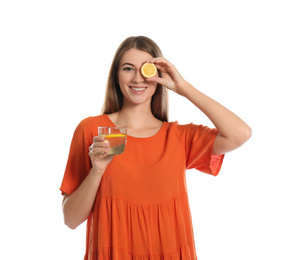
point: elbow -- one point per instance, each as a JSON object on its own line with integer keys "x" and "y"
{"x": 248, "y": 133}
{"x": 244, "y": 136}
{"x": 70, "y": 220}
{"x": 71, "y": 224}
{"x": 240, "y": 137}
{"x": 69, "y": 216}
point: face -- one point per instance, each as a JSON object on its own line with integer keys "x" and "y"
{"x": 135, "y": 89}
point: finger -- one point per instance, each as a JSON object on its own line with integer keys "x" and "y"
{"x": 98, "y": 156}
{"x": 98, "y": 138}
{"x": 102, "y": 144}
{"x": 99, "y": 152}
{"x": 163, "y": 70}
{"x": 161, "y": 81}
{"x": 164, "y": 63}
{"x": 158, "y": 60}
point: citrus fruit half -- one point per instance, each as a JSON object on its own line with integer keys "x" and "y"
{"x": 148, "y": 70}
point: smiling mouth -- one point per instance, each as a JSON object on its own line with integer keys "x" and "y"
{"x": 138, "y": 88}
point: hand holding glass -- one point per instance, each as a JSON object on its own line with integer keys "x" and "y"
{"x": 115, "y": 136}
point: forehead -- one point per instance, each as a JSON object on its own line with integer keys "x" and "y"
{"x": 135, "y": 57}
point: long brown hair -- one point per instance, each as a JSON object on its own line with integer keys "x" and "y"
{"x": 114, "y": 98}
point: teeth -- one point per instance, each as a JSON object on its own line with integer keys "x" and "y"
{"x": 138, "y": 89}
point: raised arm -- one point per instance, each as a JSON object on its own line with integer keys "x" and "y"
{"x": 233, "y": 132}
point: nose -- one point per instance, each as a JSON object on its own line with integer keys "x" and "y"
{"x": 138, "y": 78}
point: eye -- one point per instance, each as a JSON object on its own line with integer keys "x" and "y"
{"x": 128, "y": 69}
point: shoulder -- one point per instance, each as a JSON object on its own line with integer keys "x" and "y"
{"x": 94, "y": 120}
{"x": 190, "y": 129}
{"x": 90, "y": 124}
{"x": 180, "y": 127}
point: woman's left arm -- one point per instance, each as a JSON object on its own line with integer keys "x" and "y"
{"x": 233, "y": 132}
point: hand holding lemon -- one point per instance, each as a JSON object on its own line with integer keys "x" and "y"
{"x": 170, "y": 77}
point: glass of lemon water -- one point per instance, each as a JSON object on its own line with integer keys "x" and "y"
{"x": 115, "y": 136}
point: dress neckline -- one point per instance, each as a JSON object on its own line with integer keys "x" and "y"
{"x": 140, "y": 138}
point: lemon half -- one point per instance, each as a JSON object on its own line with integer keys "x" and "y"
{"x": 148, "y": 70}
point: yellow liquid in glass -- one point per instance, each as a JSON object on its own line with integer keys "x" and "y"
{"x": 116, "y": 142}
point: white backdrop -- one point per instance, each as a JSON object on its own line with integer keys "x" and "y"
{"x": 54, "y": 60}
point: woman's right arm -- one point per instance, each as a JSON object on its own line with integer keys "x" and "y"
{"x": 78, "y": 205}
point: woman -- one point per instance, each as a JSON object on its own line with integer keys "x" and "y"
{"x": 136, "y": 203}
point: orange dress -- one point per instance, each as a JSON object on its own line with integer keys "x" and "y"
{"x": 141, "y": 210}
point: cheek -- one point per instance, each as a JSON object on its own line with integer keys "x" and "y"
{"x": 124, "y": 78}
{"x": 119, "y": 78}
{"x": 154, "y": 86}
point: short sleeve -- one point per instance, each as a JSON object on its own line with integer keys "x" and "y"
{"x": 78, "y": 163}
{"x": 198, "y": 141}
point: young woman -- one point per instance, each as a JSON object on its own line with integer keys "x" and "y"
{"x": 136, "y": 203}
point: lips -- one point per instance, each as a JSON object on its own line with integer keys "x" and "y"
{"x": 138, "y": 89}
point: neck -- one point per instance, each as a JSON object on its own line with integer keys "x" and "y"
{"x": 136, "y": 116}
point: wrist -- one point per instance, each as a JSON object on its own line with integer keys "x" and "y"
{"x": 96, "y": 171}
{"x": 184, "y": 89}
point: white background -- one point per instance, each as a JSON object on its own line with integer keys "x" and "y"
{"x": 55, "y": 58}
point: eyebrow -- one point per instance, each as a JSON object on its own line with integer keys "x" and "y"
{"x": 128, "y": 64}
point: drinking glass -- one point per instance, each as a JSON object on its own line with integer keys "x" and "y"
{"x": 115, "y": 136}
